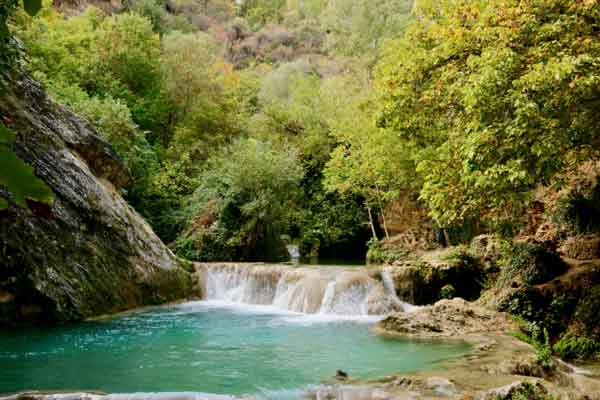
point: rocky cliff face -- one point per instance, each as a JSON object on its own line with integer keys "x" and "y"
{"x": 91, "y": 253}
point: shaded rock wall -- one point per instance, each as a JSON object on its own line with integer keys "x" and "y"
{"x": 91, "y": 253}
{"x": 421, "y": 280}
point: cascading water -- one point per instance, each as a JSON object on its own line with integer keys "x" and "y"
{"x": 226, "y": 345}
{"x": 331, "y": 290}
{"x": 327, "y": 303}
{"x": 390, "y": 288}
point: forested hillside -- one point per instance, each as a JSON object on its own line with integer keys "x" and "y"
{"x": 253, "y": 124}
{"x": 225, "y": 114}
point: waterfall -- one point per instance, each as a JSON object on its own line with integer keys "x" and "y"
{"x": 390, "y": 288}
{"x": 294, "y": 251}
{"x": 327, "y": 290}
{"x": 328, "y": 298}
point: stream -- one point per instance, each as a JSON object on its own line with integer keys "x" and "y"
{"x": 235, "y": 342}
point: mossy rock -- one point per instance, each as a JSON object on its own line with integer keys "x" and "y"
{"x": 531, "y": 263}
{"x": 447, "y": 292}
{"x": 525, "y": 391}
{"x": 421, "y": 280}
{"x": 381, "y": 252}
{"x": 92, "y": 254}
{"x": 587, "y": 313}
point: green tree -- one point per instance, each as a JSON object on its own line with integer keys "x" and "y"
{"x": 8, "y": 48}
{"x": 359, "y": 27}
{"x": 296, "y": 106}
{"x": 495, "y": 97}
{"x": 126, "y": 56}
{"x": 261, "y": 12}
{"x": 204, "y": 115}
{"x": 367, "y": 161}
{"x": 290, "y": 110}
{"x": 154, "y": 10}
{"x": 243, "y": 204}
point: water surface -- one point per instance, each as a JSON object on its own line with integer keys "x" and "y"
{"x": 211, "y": 347}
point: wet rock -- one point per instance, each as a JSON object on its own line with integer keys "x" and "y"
{"x": 524, "y": 365}
{"x": 353, "y": 393}
{"x": 95, "y": 255}
{"x": 341, "y": 375}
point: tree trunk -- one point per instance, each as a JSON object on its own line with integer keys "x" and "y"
{"x": 372, "y": 224}
{"x": 385, "y": 229}
{"x": 446, "y": 237}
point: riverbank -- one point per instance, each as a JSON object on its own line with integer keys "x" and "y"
{"x": 500, "y": 366}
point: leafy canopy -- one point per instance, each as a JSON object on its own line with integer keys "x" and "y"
{"x": 496, "y": 97}
{"x": 244, "y": 201}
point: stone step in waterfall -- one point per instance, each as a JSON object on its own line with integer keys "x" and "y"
{"x": 310, "y": 290}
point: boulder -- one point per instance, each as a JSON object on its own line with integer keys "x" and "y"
{"x": 454, "y": 318}
{"x": 91, "y": 253}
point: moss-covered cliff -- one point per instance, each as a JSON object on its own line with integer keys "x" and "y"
{"x": 91, "y": 253}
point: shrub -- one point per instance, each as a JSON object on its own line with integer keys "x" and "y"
{"x": 525, "y": 303}
{"x": 573, "y": 347}
{"x": 527, "y": 391}
{"x": 532, "y": 262}
{"x": 537, "y": 337}
{"x": 586, "y": 313}
{"x": 379, "y": 253}
{"x": 543, "y": 349}
{"x": 154, "y": 10}
{"x": 447, "y": 292}
{"x": 244, "y": 203}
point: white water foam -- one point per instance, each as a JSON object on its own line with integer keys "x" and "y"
{"x": 323, "y": 293}
{"x": 281, "y": 316}
{"x": 388, "y": 284}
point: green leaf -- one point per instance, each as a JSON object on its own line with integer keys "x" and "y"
{"x": 6, "y": 135}
{"x": 32, "y": 7}
{"x": 3, "y": 204}
{"x": 4, "y": 32}
{"x": 21, "y": 181}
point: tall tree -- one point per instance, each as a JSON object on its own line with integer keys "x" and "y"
{"x": 497, "y": 96}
